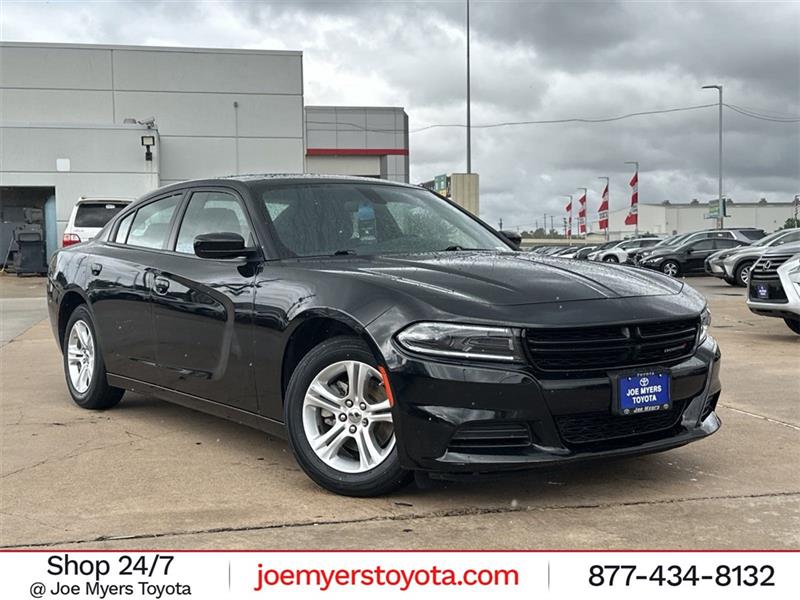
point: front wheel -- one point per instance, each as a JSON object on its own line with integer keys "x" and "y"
{"x": 339, "y": 421}
{"x": 793, "y": 324}
{"x": 610, "y": 259}
{"x": 670, "y": 268}
{"x": 742, "y": 275}
{"x": 84, "y": 367}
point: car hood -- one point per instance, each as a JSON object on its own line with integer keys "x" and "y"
{"x": 504, "y": 279}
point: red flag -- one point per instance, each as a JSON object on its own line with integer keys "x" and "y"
{"x": 568, "y": 208}
{"x": 602, "y": 212}
{"x": 582, "y": 214}
{"x": 633, "y": 211}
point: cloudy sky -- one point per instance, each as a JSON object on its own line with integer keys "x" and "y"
{"x": 530, "y": 61}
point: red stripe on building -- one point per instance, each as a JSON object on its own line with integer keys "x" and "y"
{"x": 355, "y": 151}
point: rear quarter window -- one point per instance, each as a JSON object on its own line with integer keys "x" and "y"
{"x": 96, "y": 214}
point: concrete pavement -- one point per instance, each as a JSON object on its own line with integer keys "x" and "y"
{"x": 149, "y": 474}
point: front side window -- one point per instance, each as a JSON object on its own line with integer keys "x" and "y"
{"x": 355, "y": 218}
{"x": 703, "y": 245}
{"x": 212, "y": 212}
{"x": 151, "y": 225}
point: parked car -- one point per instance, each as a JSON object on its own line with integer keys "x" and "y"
{"x": 734, "y": 265}
{"x": 382, "y": 329}
{"x": 618, "y": 252}
{"x": 584, "y": 252}
{"x": 688, "y": 258}
{"x": 89, "y": 216}
{"x": 747, "y": 235}
{"x": 774, "y": 285}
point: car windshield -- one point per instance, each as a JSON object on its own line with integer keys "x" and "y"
{"x": 672, "y": 240}
{"x": 768, "y": 239}
{"x": 96, "y": 214}
{"x": 328, "y": 219}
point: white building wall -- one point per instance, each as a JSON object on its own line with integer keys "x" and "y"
{"x": 217, "y": 112}
{"x": 362, "y": 132}
{"x": 682, "y": 218}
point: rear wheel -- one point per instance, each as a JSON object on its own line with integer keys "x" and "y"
{"x": 83, "y": 364}
{"x": 793, "y": 324}
{"x": 670, "y": 268}
{"x": 339, "y": 421}
{"x": 742, "y": 275}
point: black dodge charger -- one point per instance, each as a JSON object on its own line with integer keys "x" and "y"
{"x": 382, "y": 329}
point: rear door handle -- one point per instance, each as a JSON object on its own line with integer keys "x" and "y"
{"x": 96, "y": 268}
{"x": 160, "y": 285}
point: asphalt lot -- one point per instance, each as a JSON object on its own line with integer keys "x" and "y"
{"x": 149, "y": 474}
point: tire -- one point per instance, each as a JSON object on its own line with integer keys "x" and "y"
{"x": 793, "y": 324}
{"x": 728, "y": 280}
{"x": 341, "y": 466}
{"x": 670, "y": 268}
{"x": 610, "y": 259}
{"x": 84, "y": 368}
{"x": 742, "y": 274}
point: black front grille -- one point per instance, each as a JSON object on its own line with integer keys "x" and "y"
{"x": 587, "y": 428}
{"x": 480, "y": 436}
{"x": 766, "y": 267}
{"x": 581, "y": 349}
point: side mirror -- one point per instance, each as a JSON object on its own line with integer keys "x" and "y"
{"x": 513, "y": 237}
{"x": 221, "y": 245}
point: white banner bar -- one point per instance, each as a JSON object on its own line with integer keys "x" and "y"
{"x": 350, "y": 574}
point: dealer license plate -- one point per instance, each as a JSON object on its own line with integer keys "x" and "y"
{"x": 762, "y": 291}
{"x": 640, "y": 392}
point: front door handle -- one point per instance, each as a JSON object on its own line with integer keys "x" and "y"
{"x": 96, "y": 268}
{"x": 160, "y": 285}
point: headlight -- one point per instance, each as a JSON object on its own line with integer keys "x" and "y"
{"x": 462, "y": 341}
{"x": 705, "y": 323}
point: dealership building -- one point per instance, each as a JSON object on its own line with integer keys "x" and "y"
{"x": 119, "y": 121}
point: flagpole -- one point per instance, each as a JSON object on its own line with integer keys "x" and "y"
{"x": 569, "y": 212}
{"x": 586, "y": 201}
{"x": 636, "y": 225}
{"x": 608, "y": 200}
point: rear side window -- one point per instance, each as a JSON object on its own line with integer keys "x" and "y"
{"x": 703, "y": 245}
{"x": 124, "y": 228}
{"x": 92, "y": 214}
{"x": 212, "y": 212}
{"x": 727, "y": 243}
{"x": 752, "y": 234}
{"x": 151, "y": 225}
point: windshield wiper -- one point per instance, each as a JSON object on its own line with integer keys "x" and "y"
{"x": 457, "y": 248}
{"x": 344, "y": 253}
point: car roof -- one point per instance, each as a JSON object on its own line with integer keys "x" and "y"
{"x": 244, "y": 181}
{"x": 104, "y": 199}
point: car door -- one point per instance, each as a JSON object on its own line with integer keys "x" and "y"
{"x": 696, "y": 255}
{"x": 119, "y": 288}
{"x": 202, "y": 308}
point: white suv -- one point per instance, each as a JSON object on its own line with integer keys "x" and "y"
{"x": 618, "y": 253}
{"x": 89, "y": 216}
{"x": 774, "y": 285}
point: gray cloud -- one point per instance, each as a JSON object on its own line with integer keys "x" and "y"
{"x": 531, "y": 60}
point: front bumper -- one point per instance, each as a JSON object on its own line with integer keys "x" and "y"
{"x": 715, "y": 268}
{"x": 785, "y": 309}
{"x": 441, "y": 408}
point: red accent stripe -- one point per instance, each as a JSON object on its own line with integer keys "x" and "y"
{"x": 356, "y": 151}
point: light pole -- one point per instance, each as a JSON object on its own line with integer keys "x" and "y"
{"x": 636, "y": 191}
{"x": 469, "y": 116}
{"x": 582, "y": 209}
{"x": 607, "y": 198}
{"x": 720, "y": 205}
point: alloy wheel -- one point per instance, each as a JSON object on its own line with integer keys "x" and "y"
{"x": 670, "y": 269}
{"x": 744, "y": 274}
{"x": 80, "y": 356}
{"x": 347, "y": 418}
